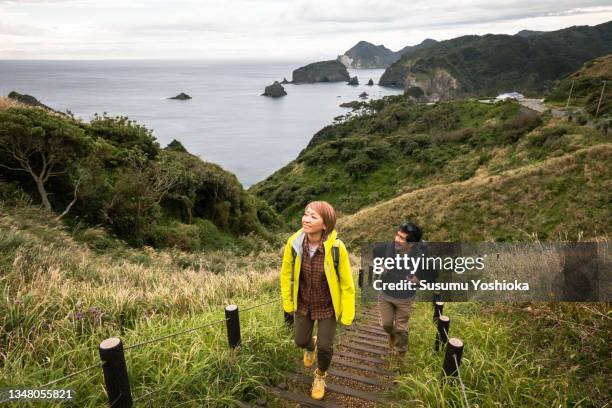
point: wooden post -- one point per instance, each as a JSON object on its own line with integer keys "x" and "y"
{"x": 233, "y": 325}
{"x": 454, "y": 349}
{"x": 437, "y": 297}
{"x": 360, "y": 277}
{"x": 441, "y": 335}
{"x": 370, "y": 273}
{"x": 570, "y": 94}
{"x": 438, "y": 308}
{"x": 600, "y": 98}
{"x": 115, "y": 373}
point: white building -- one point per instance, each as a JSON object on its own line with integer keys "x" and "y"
{"x": 510, "y": 95}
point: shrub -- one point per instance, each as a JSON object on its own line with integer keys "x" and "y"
{"x": 182, "y": 236}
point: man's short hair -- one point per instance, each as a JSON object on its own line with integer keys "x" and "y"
{"x": 413, "y": 232}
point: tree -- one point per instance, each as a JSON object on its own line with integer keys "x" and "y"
{"x": 43, "y": 146}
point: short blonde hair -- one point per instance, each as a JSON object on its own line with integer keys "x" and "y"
{"x": 327, "y": 212}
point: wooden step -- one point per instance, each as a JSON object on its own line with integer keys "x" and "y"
{"x": 368, "y": 337}
{"x": 355, "y": 377}
{"x": 301, "y": 398}
{"x": 368, "y": 342}
{"x": 354, "y": 356}
{"x": 363, "y": 367}
{"x": 382, "y": 333}
{"x": 340, "y": 389}
{"x": 354, "y": 346}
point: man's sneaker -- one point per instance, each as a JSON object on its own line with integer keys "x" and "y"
{"x": 318, "y": 385}
{"x": 310, "y": 356}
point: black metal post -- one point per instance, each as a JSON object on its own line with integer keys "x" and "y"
{"x": 454, "y": 350}
{"x": 115, "y": 373}
{"x": 438, "y": 308}
{"x": 370, "y": 273}
{"x": 360, "y": 277}
{"x": 441, "y": 335}
{"x": 233, "y": 325}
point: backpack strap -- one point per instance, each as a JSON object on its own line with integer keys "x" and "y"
{"x": 336, "y": 257}
{"x": 293, "y": 256}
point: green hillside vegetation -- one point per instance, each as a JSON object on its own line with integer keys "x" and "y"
{"x": 587, "y": 87}
{"x": 390, "y": 147}
{"x": 60, "y": 299}
{"x": 111, "y": 172}
{"x": 490, "y": 64}
{"x": 561, "y": 198}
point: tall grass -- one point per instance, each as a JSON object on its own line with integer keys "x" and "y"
{"x": 59, "y": 299}
{"x": 513, "y": 356}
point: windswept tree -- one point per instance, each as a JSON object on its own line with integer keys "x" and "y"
{"x": 43, "y": 146}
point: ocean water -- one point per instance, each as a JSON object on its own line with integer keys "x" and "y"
{"x": 227, "y": 122}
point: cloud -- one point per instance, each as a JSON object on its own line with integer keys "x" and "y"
{"x": 264, "y": 28}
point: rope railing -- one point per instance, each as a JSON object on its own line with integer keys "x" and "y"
{"x": 158, "y": 339}
{"x": 112, "y": 358}
{"x": 91, "y": 367}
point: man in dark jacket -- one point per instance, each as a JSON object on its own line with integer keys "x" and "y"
{"x": 395, "y": 305}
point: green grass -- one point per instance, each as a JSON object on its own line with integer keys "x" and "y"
{"x": 513, "y": 356}
{"x": 59, "y": 299}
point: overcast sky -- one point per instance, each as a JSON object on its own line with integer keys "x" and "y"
{"x": 291, "y": 29}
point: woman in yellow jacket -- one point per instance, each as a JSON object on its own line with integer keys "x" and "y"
{"x": 313, "y": 290}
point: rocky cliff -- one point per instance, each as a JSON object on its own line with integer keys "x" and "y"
{"x": 490, "y": 64}
{"x": 364, "y": 55}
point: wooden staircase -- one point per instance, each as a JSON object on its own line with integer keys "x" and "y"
{"x": 357, "y": 377}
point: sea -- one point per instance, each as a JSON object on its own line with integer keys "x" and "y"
{"x": 227, "y": 122}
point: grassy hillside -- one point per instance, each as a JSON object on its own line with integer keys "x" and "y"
{"x": 587, "y": 87}
{"x": 560, "y": 198}
{"x": 391, "y": 147}
{"x": 59, "y": 299}
{"x": 491, "y": 64}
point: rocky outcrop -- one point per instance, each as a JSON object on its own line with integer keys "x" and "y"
{"x": 370, "y": 82}
{"x": 363, "y": 95}
{"x": 181, "y": 97}
{"x": 322, "y": 71}
{"x": 285, "y": 82}
{"x": 365, "y": 55}
{"x": 351, "y": 104}
{"x": 437, "y": 86}
{"x": 353, "y": 81}
{"x": 276, "y": 90}
{"x": 28, "y": 100}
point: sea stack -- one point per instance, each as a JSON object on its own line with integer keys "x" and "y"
{"x": 322, "y": 71}
{"x": 370, "y": 82}
{"x": 276, "y": 90}
{"x": 353, "y": 81}
{"x": 181, "y": 97}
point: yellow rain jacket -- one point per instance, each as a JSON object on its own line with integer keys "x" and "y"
{"x": 342, "y": 292}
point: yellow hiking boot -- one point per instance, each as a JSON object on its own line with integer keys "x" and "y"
{"x": 318, "y": 385}
{"x": 310, "y": 356}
